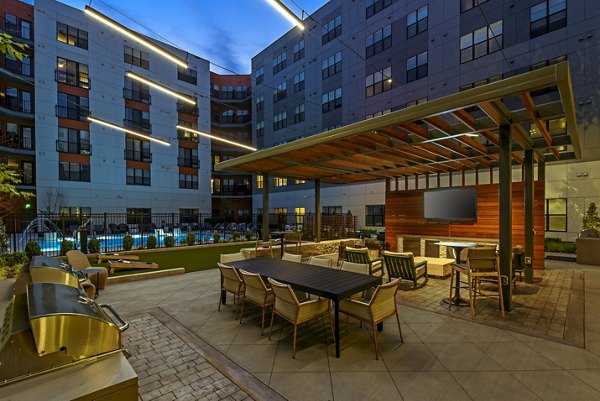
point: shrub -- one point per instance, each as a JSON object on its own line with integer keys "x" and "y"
{"x": 190, "y": 239}
{"x": 235, "y": 236}
{"x": 169, "y": 241}
{"x": 216, "y": 237}
{"x": 556, "y": 245}
{"x": 13, "y": 259}
{"x": 32, "y": 249}
{"x": 65, "y": 246}
{"x": 94, "y": 245}
{"x": 151, "y": 242}
{"x": 591, "y": 219}
{"x": 10, "y": 271}
{"x": 127, "y": 242}
{"x": 248, "y": 234}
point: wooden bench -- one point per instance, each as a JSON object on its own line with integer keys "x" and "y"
{"x": 126, "y": 264}
{"x": 437, "y": 267}
{"x": 116, "y": 256}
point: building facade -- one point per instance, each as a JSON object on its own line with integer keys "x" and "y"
{"x": 231, "y": 119}
{"x": 82, "y": 167}
{"x": 360, "y": 59}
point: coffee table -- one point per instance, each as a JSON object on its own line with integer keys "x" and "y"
{"x": 458, "y": 247}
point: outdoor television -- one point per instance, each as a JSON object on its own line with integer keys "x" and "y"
{"x": 451, "y": 205}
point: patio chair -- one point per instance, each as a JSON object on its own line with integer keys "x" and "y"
{"x": 290, "y": 257}
{"x": 361, "y": 268}
{"x": 317, "y": 261}
{"x": 481, "y": 263}
{"x": 123, "y": 228}
{"x": 231, "y": 282}
{"x": 381, "y": 307}
{"x": 288, "y": 307}
{"x": 402, "y": 265}
{"x": 230, "y": 257}
{"x": 256, "y": 292}
{"x": 262, "y": 246}
{"x": 342, "y": 249}
{"x": 293, "y": 238}
{"x": 80, "y": 262}
{"x": 361, "y": 255}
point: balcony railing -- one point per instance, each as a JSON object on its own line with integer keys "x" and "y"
{"x": 82, "y": 148}
{"x": 72, "y": 112}
{"x": 138, "y": 156}
{"x": 141, "y": 125}
{"x": 83, "y": 81}
{"x": 187, "y": 108}
{"x": 13, "y": 103}
{"x": 26, "y": 178}
{"x": 137, "y": 96}
{"x": 15, "y": 31}
{"x": 188, "y": 136}
{"x": 15, "y": 140}
{"x": 187, "y": 162}
{"x": 17, "y": 67}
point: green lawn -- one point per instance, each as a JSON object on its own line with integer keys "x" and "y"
{"x": 193, "y": 259}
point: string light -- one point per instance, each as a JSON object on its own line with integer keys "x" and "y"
{"x": 119, "y": 128}
{"x": 164, "y": 89}
{"x": 216, "y": 138}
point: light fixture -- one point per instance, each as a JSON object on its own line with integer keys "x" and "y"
{"x": 287, "y": 13}
{"x": 119, "y": 128}
{"x": 216, "y": 138}
{"x": 161, "y": 88}
{"x": 133, "y": 35}
{"x": 470, "y": 135}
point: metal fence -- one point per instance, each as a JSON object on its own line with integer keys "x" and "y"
{"x": 50, "y": 230}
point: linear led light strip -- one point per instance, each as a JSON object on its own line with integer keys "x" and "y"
{"x": 287, "y": 13}
{"x": 119, "y": 128}
{"x": 161, "y": 88}
{"x": 216, "y": 138}
{"x": 132, "y": 35}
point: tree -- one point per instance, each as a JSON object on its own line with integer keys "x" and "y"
{"x": 12, "y": 48}
{"x": 591, "y": 220}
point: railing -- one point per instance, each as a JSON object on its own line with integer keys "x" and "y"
{"x": 187, "y": 108}
{"x": 188, "y": 162}
{"x": 82, "y": 148}
{"x": 136, "y": 95}
{"x": 135, "y": 155}
{"x": 15, "y": 31}
{"x": 17, "y": 67}
{"x": 15, "y": 140}
{"x": 143, "y": 125}
{"x": 188, "y": 136}
{"x": 16, "y": 104}
{"x": 72, "y": 113}
{"x": 73, "y": 79}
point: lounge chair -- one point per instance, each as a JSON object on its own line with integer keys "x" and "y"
{"x": 80, "y": 262}
{"x": 402, "y": 265}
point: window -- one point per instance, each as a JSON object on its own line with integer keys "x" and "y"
{"x": 227, "y": 185}
{"x": 241, "y": 92}
{"x": 331, "y": 65}
{"x": 416, "y": 67}
{"x": 416, "y": 22}
{"x": 299, "y": 213}
{"x": 226, "y": 92}
{"x": 279, "y": 121}
{"x": 137, "y": 119}
{"x": 483, "y": 41}
{"x": 280, "y": 211}
{"x": 76, "y": 211}
{"x": 299, "y": 113}
{"x": 215, "y": 186}
{"x": 547, "y": 16}
{"x": 72, "y": 107}
{"x": 379, "y": 41}
{"x": 331, "y": 30}
{"x": 280, "y": 182}
{"x": 188, "y": 215}
{"x": 299, "y": 50}
{"x": 71, "y": 36}
{"x": 375, "y": 215}
{"x": 332, "y": 100}
{"x": 137, "y": 91}
{"x": 260, "y": 102}
{"x": 279, "y": 62}
{"x": 259, "y": 182}
{"x": 71, "y": 140}
{"x": 556, "y": 214}
{"x": 188, "y": 181}
{"x": 139, "y": 215}
{"x": 260, "y": 128}
{"x": 280, "y": 92}
{"x": 378, "y": 82}
{"x": 332, "y": 210}
{"x": 136, "y": 176}
{"x": 72, "y": 73}
{"x": 481, "y": 82}
{"x": 136, "y": 57}
{"x": 188, "y": 157}
{"x": 25, "y": 31}
{"x": 374, "y": 6}
{"x": 73, "y": 172}
{"x": 187, "y": 75}
{"x": 377, "y": 114}
{"x": 299, "y": 82}
{"x": 299, "y": 182}
{"x": 137, "y": 150}
{"x": 469, "y": 4}
{"x": 22, "y": 67}
{"x": 17, "y": 27}
{"x": 260, "y": 75}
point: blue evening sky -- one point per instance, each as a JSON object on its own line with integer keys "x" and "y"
{"x": 226, "y": 32}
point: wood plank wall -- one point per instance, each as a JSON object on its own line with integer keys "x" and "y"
{"x": 404, "y": 216}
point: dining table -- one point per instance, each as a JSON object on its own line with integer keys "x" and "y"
{"x": 325, "y": 282}
{"x": 458, "y": 247}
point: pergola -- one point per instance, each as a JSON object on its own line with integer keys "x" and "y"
{"x": 500, "y": 124}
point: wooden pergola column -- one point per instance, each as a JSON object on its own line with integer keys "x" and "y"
{"x": 318, "y": 208}
{"x": 505, "y": 204}
{"x": 265, "y": 216}
{"x": 528, "y": 201}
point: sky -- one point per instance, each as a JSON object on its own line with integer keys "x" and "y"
{"x": 228, "y": 33}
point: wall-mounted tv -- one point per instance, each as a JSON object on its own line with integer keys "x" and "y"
{"x": 451, "y": 205}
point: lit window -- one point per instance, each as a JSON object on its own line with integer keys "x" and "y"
{"x": 556, "y": 214}
{"x": 259, "y": 182}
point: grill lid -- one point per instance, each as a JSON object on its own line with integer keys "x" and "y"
{"x": 46, "y": 299}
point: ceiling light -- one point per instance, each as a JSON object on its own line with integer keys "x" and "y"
{"x": 216, "y": 138}
{"x": 287, "y": 13}
{"x": 119, "y": 128}
{"x": 164, "y": 89}
{"x": 134, "y": 35}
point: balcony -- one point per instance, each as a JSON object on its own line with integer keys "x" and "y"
{"x": 17, "y": 67}
{"x": 15, "y": 140}
{"x": 82, "y": 81}
{"x": 187, "y": 108}
{"x": 20, "y": 34}
{"x": 137, "y": 96}
{"x": 233, "y": 190}
{"x": 232, "y": 120}
{"x": 12, "y": 106}
{"x": 188, "y": 136}
{"x": 72, "y": 112}
{"x": 187, "y": 162}
{"x": 135, "y": 155}
{"x": 82, "y": 148}
{"x": 27, "y": 178}
{"x": 139, "y": 125}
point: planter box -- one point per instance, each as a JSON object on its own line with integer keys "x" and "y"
{"x": 588, "y": 251}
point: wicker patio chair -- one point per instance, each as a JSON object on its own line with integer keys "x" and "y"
{"x": 256, "y": 292}
{"x": 231, "y": 282}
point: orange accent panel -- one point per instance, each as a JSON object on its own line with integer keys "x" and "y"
{"x": 187, "y": 144}
{"x": 80, "y": 125}
{"x": 188, "y": 170}
{"x": 73, "y": 90}
{"x": 74, "y": 158}
{"x": 230, "y": 79}
{"x": 187, "y": 117}
{"x": 137, "y": 165}
{"x": 137, "y": 105}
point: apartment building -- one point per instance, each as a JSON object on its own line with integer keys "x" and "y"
{"x": 17, "y": 118}
{"x": 84, "y": 167}
{"x": 231, "y": 119}
{"x": 359, "y": 59}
